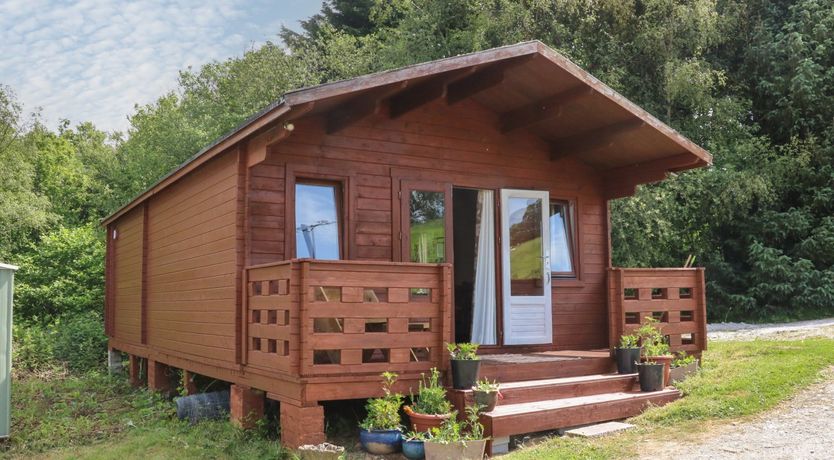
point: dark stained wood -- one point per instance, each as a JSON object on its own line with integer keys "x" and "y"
{"x": 541, "y": 110}
{"x": 361, "y": 106}
{"x": 622, "y": 181}
{"x": 422, "y": 93}
{"x": 482, "y": 80}
{"x": 585, "y": 142}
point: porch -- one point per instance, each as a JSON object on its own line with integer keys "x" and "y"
{"x": 334, "y": 326}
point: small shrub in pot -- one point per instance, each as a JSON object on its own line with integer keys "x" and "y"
{"x": 654, "y": 346}
{"x": 459, "y": 440}
{"x": 430, "y": 407}
{"x": 628, "y": 354}
{"x": 486, "y": 394}
{"x": 465, "y": 364}
{"x": 381, "y": 431}
{"x": 683, "y": 366}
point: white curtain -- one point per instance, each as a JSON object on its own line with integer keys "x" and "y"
{"x": 483, "y": 315}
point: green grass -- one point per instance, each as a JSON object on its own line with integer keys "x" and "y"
{"x": 96, "y": 416}
{"x": 738, "y": 379}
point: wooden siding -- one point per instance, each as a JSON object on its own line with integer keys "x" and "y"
{"x": 127, "y": 271}
{"x": 192, "y": 263}
{"x": 459, "y": 145}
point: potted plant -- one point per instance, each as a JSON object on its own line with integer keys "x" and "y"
{"x": 486, "y": 394}
{"x": 380, "y": 433}
{"x": 628, "y": 354}
{"x": 683, "y": 366}
{"x": 651, "y": 375}
{"x": 413, "y": 445}
{"x": 654, "y": 345}
{"x": 465, "y": 364}
{"x": 430, "y": 408}
{"x": 457, "y": 439}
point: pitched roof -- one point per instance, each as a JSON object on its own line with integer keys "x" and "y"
{"x": 529, "y": 84}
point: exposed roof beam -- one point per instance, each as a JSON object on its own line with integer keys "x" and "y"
{"x": 256, "y": 154}
{"x": 543, "y": 109}
{"x": 422, "y": 93}
{"x": 622, "y": 181}
{"x": 588, "y": 141}
{"x": 487, "y": 78}
{"x": 361, "y": 106}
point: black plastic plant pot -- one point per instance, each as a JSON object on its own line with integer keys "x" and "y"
{"x": 464, "y": 373}
{"x": 651, "y": 376}
{"x": 627, "y": 359}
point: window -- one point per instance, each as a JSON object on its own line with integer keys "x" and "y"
{"x": 562, "y": 239}
{"x": 427, "y": 236}
{"x": 318, "y": 225}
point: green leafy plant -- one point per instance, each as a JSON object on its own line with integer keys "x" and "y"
{"x": 486, "y": 386}
{"x": 629, "y": 341}
{"x": 431, "y": 396}
{"x": 463, "y": 351}
{"x": 682, "y": 359}
{"x": 384, "y": 412}
{"x": 651, "y": 338}
{"x": 416, "y": 436}
{"x": 452, "y": 430}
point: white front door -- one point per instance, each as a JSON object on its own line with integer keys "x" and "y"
{"x": 525, "y": 249}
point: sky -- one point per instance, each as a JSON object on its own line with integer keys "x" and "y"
{"x": 93, "y": 60}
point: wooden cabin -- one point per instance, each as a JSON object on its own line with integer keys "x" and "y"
{"x": 356, "y": 227}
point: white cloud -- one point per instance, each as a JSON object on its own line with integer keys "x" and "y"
{"x": 94, "y": 59}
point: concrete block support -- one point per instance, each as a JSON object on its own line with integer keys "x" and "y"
{"x": 188, "y": 382}
{"x": 114, "y": 362}
{"x": 246, "y": 406}
{"x": 301, "y": 425}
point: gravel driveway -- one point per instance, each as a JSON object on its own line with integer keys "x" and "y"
{"x": 800, "y": 428}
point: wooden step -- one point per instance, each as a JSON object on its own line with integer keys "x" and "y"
{"x": 566, "y": 387}
{"x": 545, "y": 366}
{"x": 531, "y": 417}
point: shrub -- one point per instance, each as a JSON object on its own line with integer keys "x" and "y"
{"x": 80, "y": 341}
{"x": 32, "y": 347}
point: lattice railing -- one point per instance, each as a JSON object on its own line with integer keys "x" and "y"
{"x": 674, "y": 296}
{"x": 272, "y": 317}
{"x": 310, "y": 318}
{"x": 369, "y": 317}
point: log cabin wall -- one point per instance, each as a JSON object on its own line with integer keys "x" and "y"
{"x": 126, "y": 257}
{"x": 192, "y": 265}
{"x": 459, "y": 144}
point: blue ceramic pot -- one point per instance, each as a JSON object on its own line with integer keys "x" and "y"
{"x": 414, "y": 449}
{"x": 381, "y": 442}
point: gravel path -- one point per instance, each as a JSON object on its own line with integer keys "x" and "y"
{"x": 799, "y": 428}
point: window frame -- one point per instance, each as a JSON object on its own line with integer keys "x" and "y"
{"x": 572, "y": 229}
{"x": 404, "y": 196}
{"x": 344, "y": 207}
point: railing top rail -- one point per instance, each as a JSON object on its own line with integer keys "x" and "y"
{"x": 382, "y": 263}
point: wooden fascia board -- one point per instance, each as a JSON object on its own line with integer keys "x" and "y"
{"x": 591, "y": 140}
{"x": 629, "y": 106}
{"x": 621, "y": 182}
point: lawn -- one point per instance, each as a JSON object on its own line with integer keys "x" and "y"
{"x": 96, "y": 416}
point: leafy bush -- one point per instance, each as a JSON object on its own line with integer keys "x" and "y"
{"x": 80, "y": 341}
{"x": 77, "y": 341}
{"x": 62, "y": 274}
{"x": 384, "y": 412}
{"x": 32, "y": 347}
{"x": 431, "y": 396}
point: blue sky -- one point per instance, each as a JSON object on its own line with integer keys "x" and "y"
{"x": 94, "y": 59}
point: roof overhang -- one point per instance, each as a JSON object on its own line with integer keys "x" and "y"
{"x": 529, "y": 85}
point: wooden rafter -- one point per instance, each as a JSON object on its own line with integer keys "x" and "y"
{"x": 594, "y": 139}
{"x": 543, "y": 109}
{"x": 483, "y": 80}
{"x": 276, "y": 134}
{"x": 425, "y": 92}
{"x": 361, "y": 106}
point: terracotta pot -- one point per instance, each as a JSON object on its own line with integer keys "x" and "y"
{"x": 666, "y": 360}
{"x": 678, "y": 374}
{"x": 468, "y": 450}
{"x": 487, "y": 399}
{"x": 425, "y": 422}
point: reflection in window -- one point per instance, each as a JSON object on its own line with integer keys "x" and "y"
{"x": 562, "y": 239}
{"x": 526, "y": 268}
{"x": 317, "y": 223}
{"x": 428, "y": 230}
